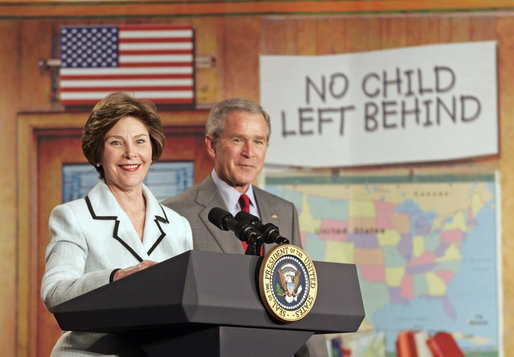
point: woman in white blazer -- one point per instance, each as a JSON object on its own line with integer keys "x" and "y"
{"x": 119, "y": 228}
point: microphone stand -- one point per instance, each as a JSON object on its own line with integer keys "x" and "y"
{"x": 251, "y": 249}
{"x": 254, "y": 239}
{"x": 244, "y": 229}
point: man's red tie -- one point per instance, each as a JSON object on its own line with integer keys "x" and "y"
{"x": 244, "y": 202}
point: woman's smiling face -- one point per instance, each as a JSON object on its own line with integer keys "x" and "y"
{"x": 127, "y": 154}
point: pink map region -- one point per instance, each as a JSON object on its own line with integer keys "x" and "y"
{"x": 333, "y": 230}
{"x": 384, "y": 212}
{"x": 445, "y": 275}
{"x": 451, "y": 236}
{"x": 407, "y": 287}
{"x": 373, "y": 273}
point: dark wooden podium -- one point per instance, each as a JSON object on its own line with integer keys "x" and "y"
{"x": 208, "y": 304}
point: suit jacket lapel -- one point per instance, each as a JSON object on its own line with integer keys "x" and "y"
{"x": 103, "y": 206}
{"x": 155, "y": 220}
{"x": 209, "y": 197}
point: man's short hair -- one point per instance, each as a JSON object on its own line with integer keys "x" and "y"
{"x": 216, "y": 120}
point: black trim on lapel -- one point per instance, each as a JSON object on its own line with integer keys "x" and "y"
{"x": 157, "y": 220}
{"x": 115, "y": 231}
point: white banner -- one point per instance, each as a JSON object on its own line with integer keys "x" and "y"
{"x": 415, "y": 104}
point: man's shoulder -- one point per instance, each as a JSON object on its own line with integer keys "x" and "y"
{"x": 183, "y": 196}
{"x": 199, "y": 193}
{"x": 261, "y": 195}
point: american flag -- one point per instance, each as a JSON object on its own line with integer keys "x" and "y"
{"x": 155, "y": 62}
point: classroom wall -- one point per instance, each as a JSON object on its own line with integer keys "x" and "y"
{"x": 235, "y": 38}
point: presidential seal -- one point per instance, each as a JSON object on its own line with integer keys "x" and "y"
{"x": 288, "y": 283}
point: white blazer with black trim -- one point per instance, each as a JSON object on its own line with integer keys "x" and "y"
{"x": 91, "y": 237}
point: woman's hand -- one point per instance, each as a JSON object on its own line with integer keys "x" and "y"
{"x": 133, "y": 269}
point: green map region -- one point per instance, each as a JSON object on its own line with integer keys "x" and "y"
{"x": 426, "y": 249}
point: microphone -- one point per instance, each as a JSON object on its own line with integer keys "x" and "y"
{"x": 222, "y": 219}
{"x": 269, "y": 230}
{"x": 243, "y": 230}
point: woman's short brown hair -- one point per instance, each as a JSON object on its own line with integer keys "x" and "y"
{"x": 107, "y": 113}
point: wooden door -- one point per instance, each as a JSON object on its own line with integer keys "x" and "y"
{"x": 63, "y": 146}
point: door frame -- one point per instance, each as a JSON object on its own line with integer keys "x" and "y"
{"x": 29, "y": 127}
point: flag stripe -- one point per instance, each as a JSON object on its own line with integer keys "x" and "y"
{"x": 127, "y": 71}
{"x": 157, "y": 46}
{"x": 126, "y": 34}
{"x": 171, "y": 101}
{"x": 158, "y": 64}
{"x": 161, "y": 83}
{"x": 134, "y": 27}
{"x": 154, "y": 62}
{"x": 157, "y": 40}
{"x": 122, "y": 88}
{"x": 99, "y": 94}
{"x": 161, "y": 52}
{"x": 68, "y": 78}
{"x": 156, "y": 58}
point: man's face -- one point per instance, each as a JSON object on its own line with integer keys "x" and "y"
{"x": 239, "y": 153}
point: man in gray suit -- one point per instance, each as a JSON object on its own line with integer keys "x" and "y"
{"x": 236, "y": 136}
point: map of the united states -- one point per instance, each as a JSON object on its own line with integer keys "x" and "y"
{"x": 425, "y": 251}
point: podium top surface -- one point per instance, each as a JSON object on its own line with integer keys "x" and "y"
{"x": 199, "y": 288}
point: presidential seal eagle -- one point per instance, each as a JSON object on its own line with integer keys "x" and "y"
{"x": 289, "y": 280}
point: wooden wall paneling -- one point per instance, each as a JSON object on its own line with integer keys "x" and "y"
{"x": 60, "y": 9}
{"x": 241, "y": 47}
{"x": 422, "y": 30}
{"x": 290, "y": 36}
{"x": 344, "y": 38}
{"x": 9, "y": 95}
{"x": 459, "y": 29}
{"x": 211, "y": 34}
{"x": 334, "y": 36}
{"x": 50, "y": 159}
{"x": 195, "y": 119}
{"x": 25, "y": 269}
{"x": 359, "y": 32}
{"x": 483, "y": 28}
{"x": 208, "y": 40}
{"x": 273, "y": 37}
{"x": 204, "y": 163}
{"x": 282, "y": 36}
{"x": 391, "y": 32}
{"x": 505, "y": 38}
{"x": 28, "y": 253}
{"x": 190, "y": 149}
{"x": 305, "y": 32}
{"x": 369, "y": 26}
{"x": 36, "y": 44}
{"x": 443, "y": 27}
